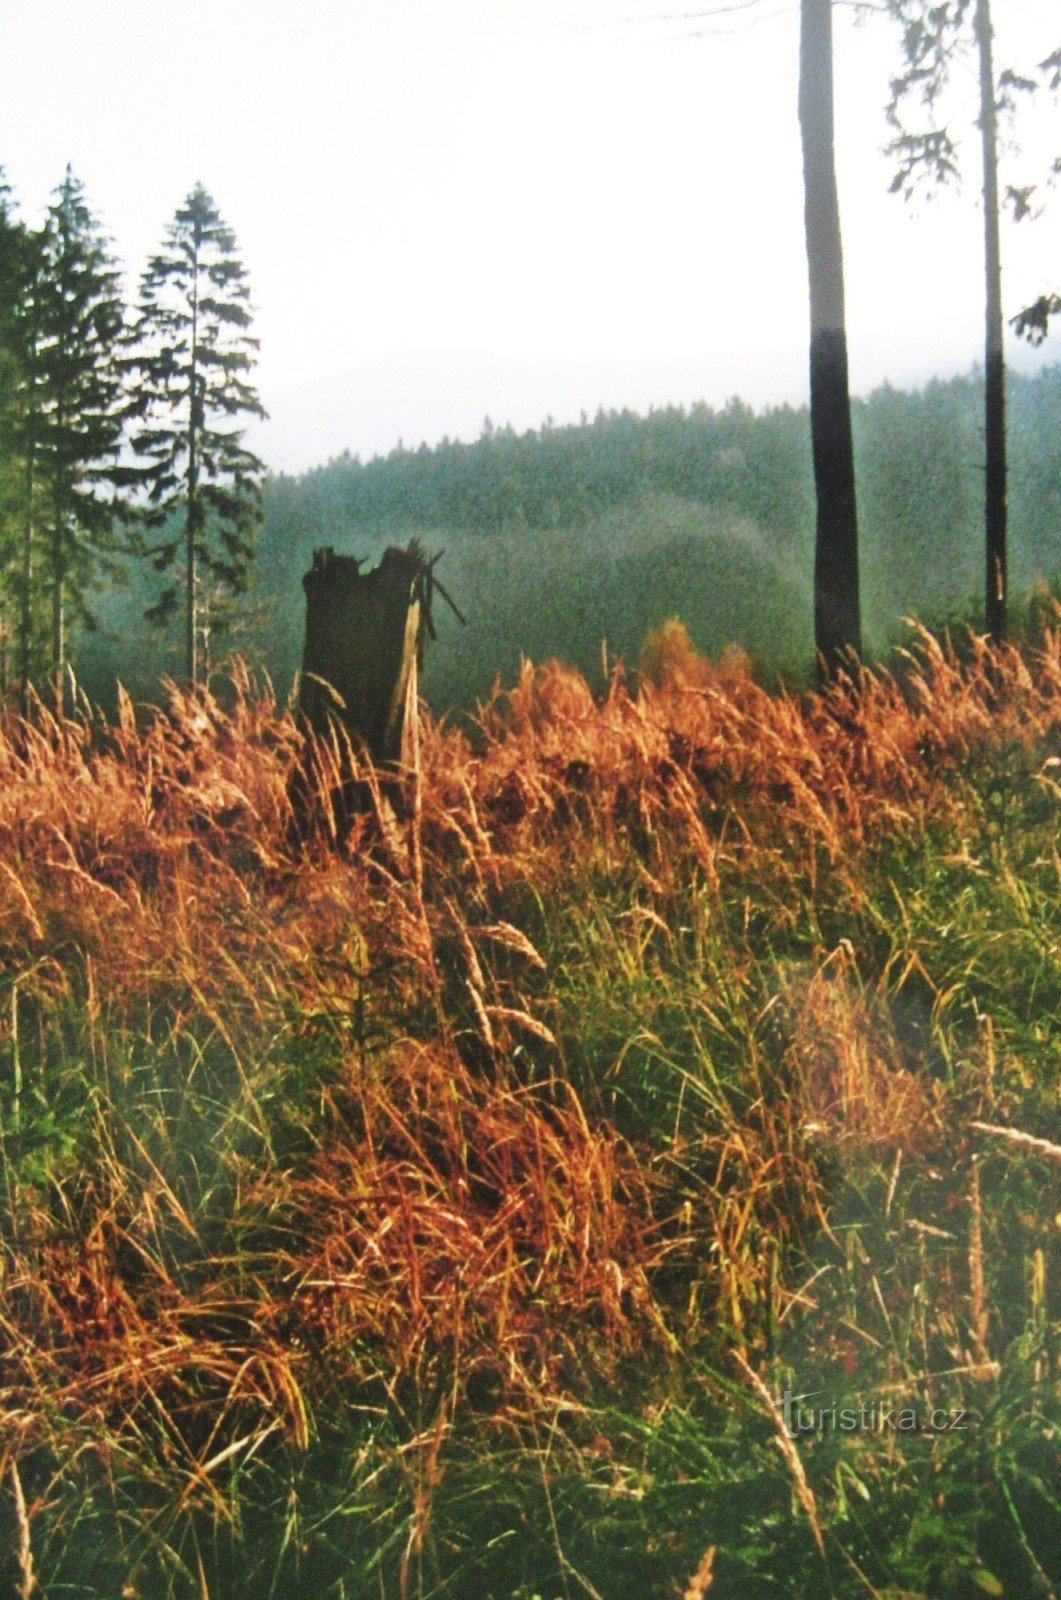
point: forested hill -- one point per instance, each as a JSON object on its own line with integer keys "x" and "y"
{"x": 558, "y": 476}
{"x": 562, "y": 537}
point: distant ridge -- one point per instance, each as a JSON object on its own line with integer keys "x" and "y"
{"x": 420, "y": 398}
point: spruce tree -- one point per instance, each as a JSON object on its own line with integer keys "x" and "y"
{"x": 11, "y": 236}
{"x": 75, "y": 409}
{"x": 22, "y": 410}
{"x": 194, "y": 354}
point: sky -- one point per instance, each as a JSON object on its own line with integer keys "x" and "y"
{"x": 517, "y": 208}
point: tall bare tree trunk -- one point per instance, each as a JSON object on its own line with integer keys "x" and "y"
{"x": 25, "y": 620}
{"x": 994, "y": 354}
{"x": 59, "y": 614}
{"x": 191, "y": 523}
{"x": 191, "y": 532}
{"x": 837, "y": 619}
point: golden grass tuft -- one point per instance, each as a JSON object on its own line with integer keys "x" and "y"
{"x": 329, "y": 1129}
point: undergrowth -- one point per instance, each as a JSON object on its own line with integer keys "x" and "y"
{"x": 474, "y": 1190}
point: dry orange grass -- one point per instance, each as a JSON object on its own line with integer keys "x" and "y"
{"x": 486, "y": 1216}
{"x": 446, "y": 1204}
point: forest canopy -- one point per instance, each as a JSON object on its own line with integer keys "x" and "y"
{"x": 560, "y": 538}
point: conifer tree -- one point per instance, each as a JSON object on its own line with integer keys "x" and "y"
{"x": 74, "y": 414}
{"x": 20, "y": 273}
{"x": 46, "y": 334}
{"x": 11, "y": 234}
{"x": 192, "y": 364}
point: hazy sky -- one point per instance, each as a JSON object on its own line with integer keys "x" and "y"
{"x": 453, "y": 207}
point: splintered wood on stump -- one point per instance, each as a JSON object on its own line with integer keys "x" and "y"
{"x": 364, "y": 639}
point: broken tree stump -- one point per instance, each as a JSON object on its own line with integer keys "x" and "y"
{"x": 364, "y": 644}
{"x": 365, "y": 635}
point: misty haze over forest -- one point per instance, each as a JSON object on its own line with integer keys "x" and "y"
{"x": 562, "y": 538}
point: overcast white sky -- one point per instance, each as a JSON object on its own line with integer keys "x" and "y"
{"x": 454, "y": 207}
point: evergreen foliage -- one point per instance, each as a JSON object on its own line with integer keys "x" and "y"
{"x": 75, "y": 407}
{"x": 10, "y": 252}
{"x": 192, "y": 359}
{"x": 22, "y": 641}
{"x": 559, "y": 538}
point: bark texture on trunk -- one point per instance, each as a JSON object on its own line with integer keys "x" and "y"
{"x": 59, "y": 613}
{"x": 363, "y": 642}
{"x": 25, "y": 620}
{"x": 191, "y": 576}
{"x": 191, "y": 525}
{"x": 994, "y": 354}
{"x": 837, "y": 617}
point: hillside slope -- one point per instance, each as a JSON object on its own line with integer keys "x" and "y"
{"x": 561, "y": 538}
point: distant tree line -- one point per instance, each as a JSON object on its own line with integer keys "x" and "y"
{"x": 118, "y": 438}
{"x": 557, "y": 476}
{"x": 559, "y": 537}
{"x": 921, "y": 445}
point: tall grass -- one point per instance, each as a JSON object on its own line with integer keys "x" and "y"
{"x": 439, "y": 1197}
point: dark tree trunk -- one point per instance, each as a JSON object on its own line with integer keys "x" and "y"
{"x": 59, "y": 612}
{"x": 25, "y": 620}
{"x": 191, "y": 521}
{"x": 191, "y": 535}
{"x": 363, "y": 636}
{"x": 994, "y": 355}
{"x": 837, "y": 623}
